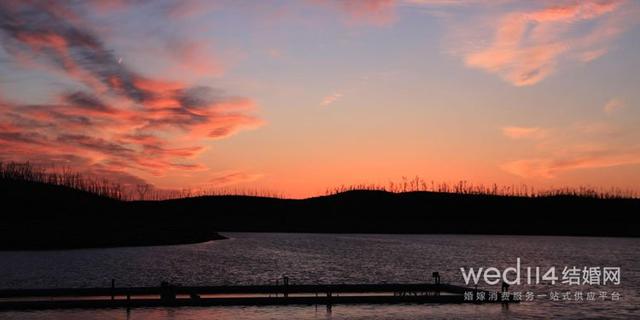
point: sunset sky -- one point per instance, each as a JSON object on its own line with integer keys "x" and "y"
{"x": 298, "y": 96}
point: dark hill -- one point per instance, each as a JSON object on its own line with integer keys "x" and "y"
{"x": 412, "y": 212}
{"x": 41, "y": 216}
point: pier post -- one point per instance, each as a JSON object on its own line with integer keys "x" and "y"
{"x": 113, "y": 289}
{"x": 505, "y": 288}
{"x": 167, "y": 293}
{"x": 436, "y": 281}
{"x": 285, "y": 281}
{"x": 128, "y": 301}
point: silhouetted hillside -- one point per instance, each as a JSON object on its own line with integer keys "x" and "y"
{"x": 46, "y": 216}
{"x": 411, "y": 212}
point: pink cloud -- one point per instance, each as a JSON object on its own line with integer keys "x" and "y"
{"x": 233, "y": 177}
{"x": 120, "y": 121}
{"x": 373, "y": 12}
{"x": 170, "y": 9}
{"x": 613, "y": 105}
{"x": 193, "y": 56}
{"x": 528, "y": 45}
{"x": 534, "y": 133}
{"x": 188, "y": 9}
{"x": 588, "y": 56}
{"x": 331, "y": 99}
{"x": 452, "y": 2}
{"x": 582, "y": 145}
{"x": 550, "y": 167}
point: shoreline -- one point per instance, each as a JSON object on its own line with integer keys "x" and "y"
{"x": 34, "y": 248}
{"x": 48, "y": 217}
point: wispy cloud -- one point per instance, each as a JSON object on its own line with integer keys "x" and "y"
{"x": 527, "y": 45}
{"x": 535, "y": 133}
{"x": 578, "y": 146}
{"x": 169, "y": 9}
{"x": 551, "y": 167}
{"x": 371, "y": 12}
{"x": 233, "y": 177}
{"x": 117, "y": 119}
{"x": 330, "y": 99}
{"x": 613, "y": 105}
{"x": 591, "y": 55}
{"x": 525, "y": 42}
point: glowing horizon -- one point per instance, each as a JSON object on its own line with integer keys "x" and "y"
{"x": 296, "y": 97}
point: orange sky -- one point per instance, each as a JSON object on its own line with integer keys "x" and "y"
{"x": 295, "y": 97}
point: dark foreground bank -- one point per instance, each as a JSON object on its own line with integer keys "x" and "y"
{"x": 42, "y": 216}
{"x": 37, "y": 216}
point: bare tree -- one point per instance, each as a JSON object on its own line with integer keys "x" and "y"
{"x": 142, "y": 189}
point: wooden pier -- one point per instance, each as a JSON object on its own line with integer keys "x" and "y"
{"x": 241, "y": 295}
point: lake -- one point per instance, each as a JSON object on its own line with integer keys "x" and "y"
{"x": 262, "y": 258}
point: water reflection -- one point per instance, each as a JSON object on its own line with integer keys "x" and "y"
{"x": 304, "y": 258}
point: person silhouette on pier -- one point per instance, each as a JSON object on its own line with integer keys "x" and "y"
{"x": 436, "y": 281}
{"x": 285, "y": 282}
{"x": 167, "y": 293}
{"x": 505, "y": 290}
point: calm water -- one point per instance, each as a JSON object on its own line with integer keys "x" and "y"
{"x": 251, "y": 258}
